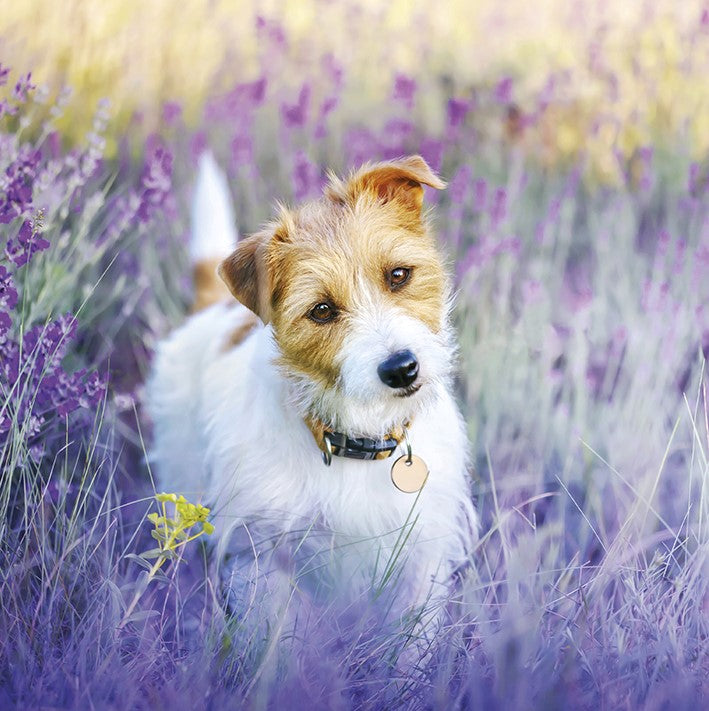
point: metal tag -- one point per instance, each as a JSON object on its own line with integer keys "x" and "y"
{"x": 409, "y": 473}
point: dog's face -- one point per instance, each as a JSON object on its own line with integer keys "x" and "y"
{"x": 356, "y": 294}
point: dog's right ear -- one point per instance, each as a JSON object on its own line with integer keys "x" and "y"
{"x": 246, "y": 272}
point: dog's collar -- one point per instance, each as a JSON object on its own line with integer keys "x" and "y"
{"x": 365, "y": 448}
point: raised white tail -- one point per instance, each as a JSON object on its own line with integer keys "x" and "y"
{"x": 213, "y": 231}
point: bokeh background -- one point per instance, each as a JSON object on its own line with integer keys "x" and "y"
{"x": 575, "y": 140}
{"x": 606, "y": 75}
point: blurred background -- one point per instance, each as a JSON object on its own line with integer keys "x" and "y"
{"x": 577, "y": 76}
{"x": 575, "y": 140}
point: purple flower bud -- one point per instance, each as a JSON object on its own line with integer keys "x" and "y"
{"x": 20, "y": 176}
{"x": 22, "y": 87}
{"x": 171, "y": 112}
{"x": 306, "y": 176}
{"x": 28, "y": 242}
{"x": 404, "y": 90}
{"x": 156, "y": 182}
{"x": 8, "y": 293}
{"x": 460, "y": 184}
{"x": 295, "y": 115}
{"x": 498, "y": 210}
{"x": 457, "y": 111}
{"x": 503, "y": 91}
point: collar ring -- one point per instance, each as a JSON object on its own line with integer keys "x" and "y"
{"x": 327, "y": 452}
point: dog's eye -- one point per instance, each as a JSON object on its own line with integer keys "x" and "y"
{"x": 322, "y": 313}
{"x": 398, "y": 277}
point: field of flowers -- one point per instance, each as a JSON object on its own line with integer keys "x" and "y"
{"x": 576, "y": 222}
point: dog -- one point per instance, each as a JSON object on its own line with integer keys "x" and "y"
{"x": 311, "y": 389}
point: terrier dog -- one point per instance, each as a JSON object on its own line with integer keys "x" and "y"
{"x": 311, "y": 390}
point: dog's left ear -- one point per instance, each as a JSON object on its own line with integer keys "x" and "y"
{"x": 248, "y": 274}
{"x": 399, "y": 180}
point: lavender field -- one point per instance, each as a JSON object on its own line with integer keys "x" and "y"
{"x": 576, "y": 227}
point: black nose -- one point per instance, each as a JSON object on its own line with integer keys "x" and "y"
{"x": 399, "y": 370}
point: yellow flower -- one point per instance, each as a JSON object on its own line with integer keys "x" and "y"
{"x": 173, "y": 533}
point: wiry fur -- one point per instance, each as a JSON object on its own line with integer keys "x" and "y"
{"x": 230, "y": 421}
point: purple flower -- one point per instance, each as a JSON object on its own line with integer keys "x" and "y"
{"x": 503, "y": 91}
{"x": 7, "y": 108}
{"x": 22, "y": 87}
{"x": 327, "y": 107}
{"x": 8, "y": 301}
{"x": 306, "y": 176}
{"x": 8, "y": 293}
{"x": 37, "y": 380}
{"x": 460, "y": 184}
{"x": 20, "y": 175}
{"x": 498, "y": 209}
{"x": 239, "y": 103}
{"x": 28, "y": 243}
{"x": 4, "y": 73}
{"x": 457, "y": 111}
{"x": 171, "y": 112}
{"x": 156, "y": 183}
{"x": 295, "y": 115}
{"x": 404, "y": 90}
{"x": 334, "y": 70}
{"x": 272, "y": 31}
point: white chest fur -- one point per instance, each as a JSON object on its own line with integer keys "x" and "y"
{"x": 224, "y": 431}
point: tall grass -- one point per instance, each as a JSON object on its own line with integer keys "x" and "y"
{"x": 582, "y": 313}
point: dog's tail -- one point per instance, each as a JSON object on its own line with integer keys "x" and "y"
{"x": 213, "y": 232}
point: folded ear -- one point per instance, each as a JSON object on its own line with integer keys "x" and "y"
{"x": 399, "y": 180}
{"x": 245, "y": 271}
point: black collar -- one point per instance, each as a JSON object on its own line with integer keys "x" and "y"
{"x": 341, "y": 445}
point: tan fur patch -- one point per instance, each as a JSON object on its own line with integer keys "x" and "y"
{"x": 208, "y": 287}
{"x": 241, "y": 332}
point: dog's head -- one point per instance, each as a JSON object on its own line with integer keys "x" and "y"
{"x": 356, "y": 294}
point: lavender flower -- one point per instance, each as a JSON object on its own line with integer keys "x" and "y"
{"x": 457, "y": 110}
{"x": 28, "y": 242}
{"x": 171, "y": 112}
{"x": 156, "y": 183}
{"x": 295, "y": 115}
{"x": 23, "y": 87}
{"x": 306, "y": 177}
{"x": 503, "y": 90}
{"x": 17, "y": 184}
{"x": 404, "y": 90}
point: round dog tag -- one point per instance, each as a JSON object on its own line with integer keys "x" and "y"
{"x": 409, "y": 474}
